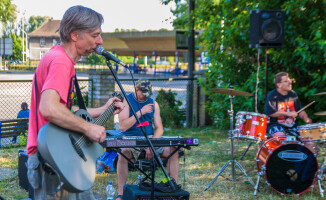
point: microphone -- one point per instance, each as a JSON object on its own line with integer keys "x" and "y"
{"x": 100, "y": 51}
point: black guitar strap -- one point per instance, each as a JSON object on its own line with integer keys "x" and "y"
{"x": 35, "y": 84}
{"x": 81, "y": 103}
{"x": 36, "y": 116}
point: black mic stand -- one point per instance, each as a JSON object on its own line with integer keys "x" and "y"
{"x": 156, "y": 156}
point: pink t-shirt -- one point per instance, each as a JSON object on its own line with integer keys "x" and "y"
{"x": 55, "y": 71}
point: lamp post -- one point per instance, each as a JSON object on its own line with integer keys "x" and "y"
{"x": 191, "y": 63}
{"x": 24, "y": 52}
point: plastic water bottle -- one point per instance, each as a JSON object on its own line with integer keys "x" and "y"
{"x": 110, "y": 191}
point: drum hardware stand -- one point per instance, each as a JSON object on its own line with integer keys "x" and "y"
{"x": 258, "y": 179}
{"x": 232, "y": 161}
{"x": 320, "y": 176}
{"x": 245, "y": 152}
{"x": 259, "y": 142}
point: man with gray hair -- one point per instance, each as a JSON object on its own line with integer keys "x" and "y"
{"x": 52, "y": 98}
{"x": 147, "y": 110}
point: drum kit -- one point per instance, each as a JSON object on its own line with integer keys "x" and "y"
{"x": 289, "y": 164}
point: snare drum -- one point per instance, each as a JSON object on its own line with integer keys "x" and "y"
{"x": 251, "y": 126}
{"x": 288, "y": 166}
{"x": 315, "y": 132}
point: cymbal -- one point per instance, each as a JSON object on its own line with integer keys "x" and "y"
{"x": 231, "y": 91}
{"x": 320, "y": 113}
{"x": 322, "y": 93}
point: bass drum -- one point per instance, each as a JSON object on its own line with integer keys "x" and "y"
{"x": 288, "y": 166}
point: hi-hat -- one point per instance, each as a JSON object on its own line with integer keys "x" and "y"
{"x": 322, "y": 93}
{"x": 231, "y": 91}
{"x": 320, "y": 113}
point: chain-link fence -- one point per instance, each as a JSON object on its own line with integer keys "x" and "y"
{"x": 178, "y": 86}
{"x": 14, "y": 92}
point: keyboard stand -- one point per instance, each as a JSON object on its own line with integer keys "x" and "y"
{"x": 147, "y": 176}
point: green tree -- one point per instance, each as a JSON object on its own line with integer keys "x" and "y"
{"x": 226, "y": 38}
{"x": 100, "y": 60}
{"x": 17, "y": 47}
{"x": 36, "y": 21}
{"x": 7, "y": 12}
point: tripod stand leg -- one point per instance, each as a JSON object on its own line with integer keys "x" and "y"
{"x": 245, "y": 152}
{"x": 320, "y": 188}
{"x": 256, "y": 186}
{"x": 226, "y": 164}
{"x": 244, "y": 172}
{"x": 320, "y": 176}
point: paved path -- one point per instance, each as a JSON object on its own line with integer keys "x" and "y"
{"x": 6, "y": 173}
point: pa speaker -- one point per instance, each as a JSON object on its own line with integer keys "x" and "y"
{"x": 266, "y": 28}
{"x": 22, "y": 172}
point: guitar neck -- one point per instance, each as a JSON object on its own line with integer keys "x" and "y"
{"x": 101, "y": 120}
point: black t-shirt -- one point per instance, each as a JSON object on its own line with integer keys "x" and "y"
{"x": 278, "y": 102}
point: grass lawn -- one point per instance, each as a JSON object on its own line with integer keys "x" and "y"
{"x": 197, "y": 169}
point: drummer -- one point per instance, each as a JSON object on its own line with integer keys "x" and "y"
{"x": 281, "y": 106}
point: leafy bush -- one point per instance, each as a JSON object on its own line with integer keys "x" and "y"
{"x": 169, "y": 107}
{"x": 22, "y": 138}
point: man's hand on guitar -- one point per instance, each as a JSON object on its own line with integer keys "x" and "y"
{"x": 110, "y": 101}
{"x": 117, "y": 103}
{"x": 96, "y": 133}
{"x": 119, "y": 106}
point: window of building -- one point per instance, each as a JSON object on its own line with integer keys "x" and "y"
{"x": 42, "y": 54}
{"x": 42, "y": 42}
{"x": 55, "y": 42}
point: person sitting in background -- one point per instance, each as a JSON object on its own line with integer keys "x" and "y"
{"x": 23, "y": 113}
{"x": 147, "y": 109}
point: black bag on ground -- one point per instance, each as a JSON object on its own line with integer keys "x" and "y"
{"x": 160, "y": 187}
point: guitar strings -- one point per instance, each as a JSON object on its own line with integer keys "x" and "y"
{"x": 82, "y": 140}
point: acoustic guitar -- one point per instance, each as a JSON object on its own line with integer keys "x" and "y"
{"x": 72, "y": 154}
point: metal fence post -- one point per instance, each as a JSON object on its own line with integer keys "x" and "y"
{"x": 92, "y": 93}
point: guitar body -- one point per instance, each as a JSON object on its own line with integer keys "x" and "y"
{"x": 72, "y": 154}
{"x": 55, "y": 146}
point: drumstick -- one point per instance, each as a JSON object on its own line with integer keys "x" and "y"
{"x": 306, "y": 107}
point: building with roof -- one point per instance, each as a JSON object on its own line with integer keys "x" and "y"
{"x": 146, "y": 43}
{"x": 42, "y": 39}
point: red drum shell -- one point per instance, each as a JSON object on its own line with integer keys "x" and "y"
{"x": 288, "y": 166}
{"x": 251, "y": 125}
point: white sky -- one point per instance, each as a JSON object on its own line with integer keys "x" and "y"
{"x": 122, "y": 14}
